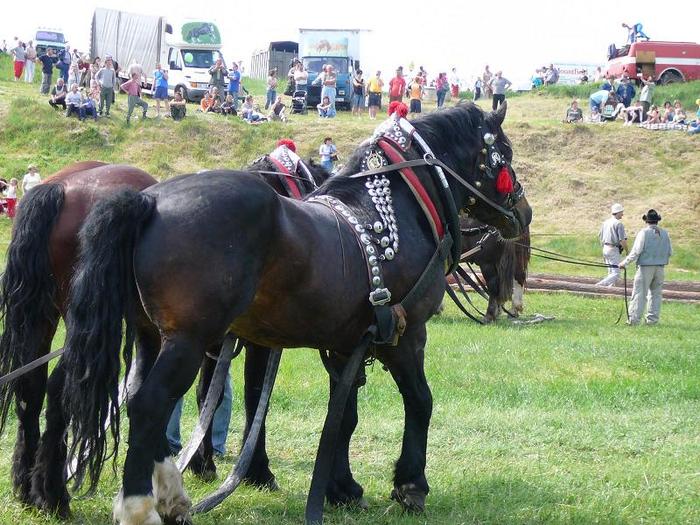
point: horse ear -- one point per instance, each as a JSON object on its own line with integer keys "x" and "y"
{"x": 498, "y": 116}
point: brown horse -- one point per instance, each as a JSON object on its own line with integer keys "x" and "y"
{"x": 280, "y": 273}
{"x": 34, "y": 289}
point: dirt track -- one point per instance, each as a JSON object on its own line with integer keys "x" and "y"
{"x": 682, "y": 291}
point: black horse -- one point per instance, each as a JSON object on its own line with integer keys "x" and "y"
{"x": 221, "y": 251}
{"x": 503, "y": 264}
{"x": 34, "y": 296}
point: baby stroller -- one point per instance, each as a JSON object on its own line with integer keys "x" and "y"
{"x": 299, "y": 102}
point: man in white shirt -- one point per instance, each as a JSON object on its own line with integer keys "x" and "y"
{"x": 30, "y": 179}
{"x": 614, "y": 239}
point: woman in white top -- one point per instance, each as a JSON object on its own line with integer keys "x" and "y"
{"x": 31, "y": 179}
{"x": 301, "y": 77}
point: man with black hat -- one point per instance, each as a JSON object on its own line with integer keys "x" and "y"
{"x": 614, "y": 240}
{"x": 651, "y": 250}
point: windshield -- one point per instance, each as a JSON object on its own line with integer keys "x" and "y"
{"x": 315, "y": 64}
{"x": 200, "y": 58}
{"x": 50, "y": 36}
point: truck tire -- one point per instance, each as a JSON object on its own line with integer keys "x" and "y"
{"x": 182, "y": 89}
{"x": 670, "y": 77}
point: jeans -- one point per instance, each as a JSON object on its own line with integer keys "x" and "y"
{"x": 327, "y": 165}
{"x": 106, "y": 98}
{"x": 271, "y": 96}
{"x": 328, "y": 91}
{"x": 497, "y": 101}
{"x": 136, "y": 101}
{"x": 29, "y": 71}
{"x": 64, "y": 68}
{"x": 441, "y": 97}
{"x": 45, "y": 83}
{"x": 220, "y": 423}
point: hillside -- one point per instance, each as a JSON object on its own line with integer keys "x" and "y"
{"x": 571, "y": 173}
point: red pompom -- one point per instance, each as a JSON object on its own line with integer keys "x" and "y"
{"x": 504, "y": 184}
{"x": 399, "y": 108}
{"x": 289, "y": 143}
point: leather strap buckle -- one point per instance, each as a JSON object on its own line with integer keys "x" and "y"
{"x": 380, "y": 297}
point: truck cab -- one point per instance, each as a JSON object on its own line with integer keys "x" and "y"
{"x": 189, "y": 70}
{"x": 344, "y": 68}
{"x": 49, "y": 39}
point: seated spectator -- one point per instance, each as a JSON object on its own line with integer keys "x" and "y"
{"x": 595, "y": 117}
{"x": 88, "y": 108}
{"x": 74, "y": 101}
{"x": 277, "y": 111}
{"x": 215, "y": 104}
{"x": 668, "y": 114}
{"x": 694, "y": 126}
{"x": 612, "y": 107}
{"x": 325, "y": 108}
{"x": 248, "y": 108}
{"x": 633, "y": 114}
{"x": 574, "y": 113}
{"x": 653, "y": 116}
{"x": 597, "y": 99}
{"x": 679, "y": 116}
{"x": 228, "y": 107}
{"x": 178, "y": 106}
{"x": 207, "y": 103}
{"x": 58, "y": 94}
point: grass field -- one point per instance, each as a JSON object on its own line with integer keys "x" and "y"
{"x": 572, "y": 421}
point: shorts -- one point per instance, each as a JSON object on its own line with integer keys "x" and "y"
{"x": 375, "y": 99}
{"x": 357, "y": 100}
{"x": 415, "y": 105}
{"x": 161, "y": 93}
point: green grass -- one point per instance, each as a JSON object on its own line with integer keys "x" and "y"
{"x": 572, "y": 421}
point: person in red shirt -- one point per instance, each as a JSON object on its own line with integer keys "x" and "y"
{"x": 397, "y": 87}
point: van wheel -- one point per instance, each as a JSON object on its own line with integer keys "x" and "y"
{"x": 183, "y": 90}
{"x": 670, "y": 76}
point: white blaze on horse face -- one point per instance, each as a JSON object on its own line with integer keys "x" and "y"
{"x": 171, "y": 499}
{"x": 135, "y": 510}
{"x": 518, "y": 293}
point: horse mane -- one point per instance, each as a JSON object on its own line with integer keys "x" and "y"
{"x": 454, "y": 134}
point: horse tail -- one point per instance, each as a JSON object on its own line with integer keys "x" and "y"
{"x": 27, "y": 287}
{"x": 522, "y": 257}
{"x": 505, "y": 270}
{"x": 100, "y": 317}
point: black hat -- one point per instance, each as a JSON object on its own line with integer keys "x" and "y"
{"x": 651, "y": 217}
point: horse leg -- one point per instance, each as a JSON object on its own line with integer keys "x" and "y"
{"x": 405, "y": 363}
{"x": 259, "y": 473}
{"x": 342, "y": 487}
{"x": 202, "y": 462}
{"x": 151, "y": 484}
{"x": 518, "y": 293}
{"x": 491, "y": 277}
{"x": 29, "y": 399}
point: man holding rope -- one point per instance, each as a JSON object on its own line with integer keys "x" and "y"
{"x": 614, "y": 240}
{"x": 651, "y": 250}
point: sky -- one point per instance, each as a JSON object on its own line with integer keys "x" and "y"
{"x": 513, "y": 36}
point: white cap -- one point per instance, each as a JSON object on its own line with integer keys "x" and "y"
{"x": 616, "y": 208}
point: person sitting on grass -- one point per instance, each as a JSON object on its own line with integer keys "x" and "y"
{"x": 653, "y": 116}
{"x": 694, "y": 125}
{"x": 58, "y": 94}
{"x": 207, "y": 103}
{"x": 73, "y": 101}
{"x": 595, "y": 116}
{"x": 178, "y": 106}
{"x": 679, "y": 116}
{"x": 248, "y": 107}
{"x": 574, "y": 113}
{"x": 325, "y": 108}
{"x": 228, "y": 107}
{"x": 633, "y": 114}
{"x": 668, "y": 113}
{"x": 215, "y": 104}
{"x": 88, "y": 108}
{"x": 277, "y": 110}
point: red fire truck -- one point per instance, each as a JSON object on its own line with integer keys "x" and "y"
{"x": 666, "y": 61}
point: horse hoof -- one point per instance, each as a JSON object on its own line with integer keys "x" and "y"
{"x": 410, "y": 497}
{"x": 178, "y": 520}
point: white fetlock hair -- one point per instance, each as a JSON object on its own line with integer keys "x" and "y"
{"x": 170, "y": 497}
{"x": 135, "y": 510}
{"x": 518, "y": 297}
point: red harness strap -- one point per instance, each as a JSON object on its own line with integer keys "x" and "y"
{"x": 417, "y": 188}
{"x": 291, "y": 184}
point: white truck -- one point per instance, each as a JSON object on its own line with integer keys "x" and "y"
{"x": 337, "y": 47}
{"x": 187, "y": 48}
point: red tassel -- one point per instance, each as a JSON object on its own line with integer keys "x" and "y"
{"x": 289, "y": 143}
{"x": 399, "y": 107}
{"x": 504, "y": 184}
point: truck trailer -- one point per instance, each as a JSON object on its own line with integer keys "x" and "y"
{"x": 337, "y": 47}
{"x": 187, "y": 48}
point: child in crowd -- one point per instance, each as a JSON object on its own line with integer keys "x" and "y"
{"x": 653, "y": 116}
{"x": 178, "y": 106}
{"x": 694, "y": 126}
{"x": 277, "y": 110}
{"x": 11, "y": 198}
{"x": 73, "y": 101}
{"x": 248, "y": 108}
{"x": 133, "y": 89}
{"x": 633, "y": 114}
{"x": 88, "y": 108}
{"x": 325, "y": 108}
{"x": 207, "y": 103}
{"x": 415, "y": 92}
{"x": 228, "y": 107}
{"x": 679, "y": 115}
{"x": 668, "y": 112}
{"x": 574, "y": 113}
{"x": 595, "y": 117}
{"x": 328, "y": 153}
